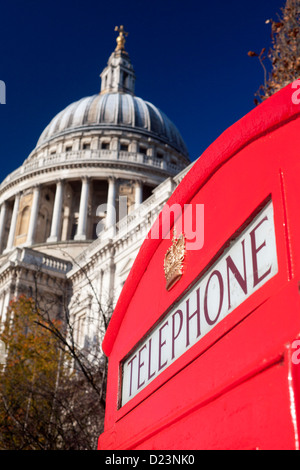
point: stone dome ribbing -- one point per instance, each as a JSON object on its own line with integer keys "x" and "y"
{"x": 114, "y": 110}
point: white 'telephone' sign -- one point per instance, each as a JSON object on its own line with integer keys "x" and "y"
{"x": 245, "y": 266}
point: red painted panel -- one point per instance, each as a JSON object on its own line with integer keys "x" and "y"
{"x": 247, "y": 416}
{"x": 237, "y": 387}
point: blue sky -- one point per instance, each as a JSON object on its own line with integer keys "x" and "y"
{"x": 190, "y": 59}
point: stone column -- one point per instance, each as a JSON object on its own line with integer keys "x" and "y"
{"x": 56, "y": 217}
{"x": 65, "y": 223}
{"x": 2, "y": 223}
{"x": 33, "y": 216}
{"x": 111, "y": 203}
{"x": 13, "y": 223}
{"x": 138, "y": 193}
{"x": 83, "y": 210}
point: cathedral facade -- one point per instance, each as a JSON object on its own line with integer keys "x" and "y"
{"x": 74, "y": 215}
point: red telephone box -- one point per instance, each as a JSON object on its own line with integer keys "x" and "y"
{"x": 203, "y": 343}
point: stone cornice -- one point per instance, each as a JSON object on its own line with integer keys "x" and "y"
{"x": 126, "y": 170}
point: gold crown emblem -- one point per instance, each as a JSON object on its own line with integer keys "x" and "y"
{"x": 173, "y": 263}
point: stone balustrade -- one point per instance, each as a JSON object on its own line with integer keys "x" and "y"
{"x": 39, "y": 260}
{"x": 86, "y": 156}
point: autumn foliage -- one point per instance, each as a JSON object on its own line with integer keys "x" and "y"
{"x": 28, "y": 379}
{"x": 284, "y": 53}
{"x": 45, "y": 403}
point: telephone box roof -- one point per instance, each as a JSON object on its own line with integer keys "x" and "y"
{"x": 273, "y": 113}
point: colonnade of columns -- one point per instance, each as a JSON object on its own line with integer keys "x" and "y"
{"x": 55, "y": 232}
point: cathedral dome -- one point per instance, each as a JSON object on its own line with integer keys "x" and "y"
{"x": 114, "y": 110}
{"x": 95, "y": 153}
